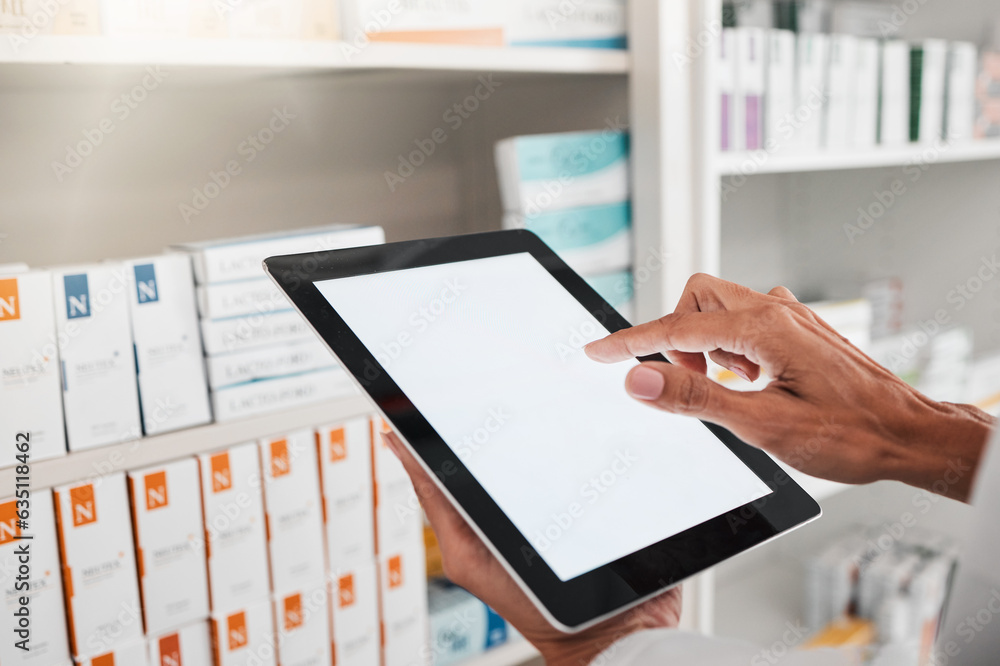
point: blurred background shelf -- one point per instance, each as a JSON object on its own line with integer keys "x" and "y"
{"x": 746, "y": 164}
{"x": 44, "y": 58}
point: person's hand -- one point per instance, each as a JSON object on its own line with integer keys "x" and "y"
{"x": 470, "y": 564}
{"x": 829, "y": 411}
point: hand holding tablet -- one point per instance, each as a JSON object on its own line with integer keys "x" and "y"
{"x": 471, "y": 347}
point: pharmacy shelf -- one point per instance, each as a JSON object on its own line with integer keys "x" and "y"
{"x": 732, "y": 164}
{"x": 256, "y": 57}
{"x": 156, "y": 450}
{"x": 513, "y": 654}
{"x": 757, "y": 607}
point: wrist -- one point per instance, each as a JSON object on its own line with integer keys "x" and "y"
{"x": 940, "y": 448}
{"x": 581, "y": 649}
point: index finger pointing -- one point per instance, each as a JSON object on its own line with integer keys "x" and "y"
{"x": 732, "y": 331}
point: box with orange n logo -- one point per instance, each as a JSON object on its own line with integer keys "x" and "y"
{"x": 236, "y": 541}
{"x": 354, "y": 614}
{"x": 30, "y": 391}
{"x": 398, "y": 516}
{"x": 244, "y": 637}
{"x": 49, "y": 642}
{"x": 345, "y": 462}
{"x": 99, "y": 572}
{"x": 302, "y": 619}
{"x": 170, "y": 544}
{"x": 187, "y": 646}
{"x": 403, "y": 591}
{"x": 133, "y": 654}
{"x": 294, "y": 511}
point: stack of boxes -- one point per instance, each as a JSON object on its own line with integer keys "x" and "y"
{"x": 899, "y": 584}
{"x": 583, "y": 23}
{"x": 294, "y": 516}
{"x": 810, "y": 91}
{"x": 572, "y": 190}
{"x": 100, "y": 393}
{"x": 170, "y": 551}
{"x": 29, "y": 366}
{"x": 400, "y": 555}
{"x": 262, "y": 553}
{"x": 236, "y": 539}
{"x": 48, "y": 639}
{"x": 988, "y": 98}
{"x": 100, "y": 578}
{"x": 344, "y": 453}
{"x": 262, "y": 355}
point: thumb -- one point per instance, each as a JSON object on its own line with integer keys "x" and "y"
{"x": 681, "y": 391}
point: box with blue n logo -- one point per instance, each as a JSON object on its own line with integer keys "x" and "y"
{"x": 100, "y": 396}
{"x": 173, "y": 389}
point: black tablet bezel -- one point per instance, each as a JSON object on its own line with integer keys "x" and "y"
{"x": 584, "y": 600}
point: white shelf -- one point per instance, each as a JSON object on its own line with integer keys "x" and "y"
{"x": 163, "y": 448}
{"x": 303, "y": 56}
{"x": 731, "y": 164}
{"x": 513, "y": 654}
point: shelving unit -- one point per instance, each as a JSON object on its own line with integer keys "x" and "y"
{"x": 276, "y": 56}
{"x": 780, "y": 219}
{"x": 355, "y": 116}
{"x": 746, "y": 164}
{"x": 173, "y": 446}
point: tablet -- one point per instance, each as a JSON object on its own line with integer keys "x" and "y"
{"x": 471, "y": 347}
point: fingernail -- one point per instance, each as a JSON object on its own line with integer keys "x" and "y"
{"x": 739, "y": 373}
{"x": 390, "y": 443}
{"x": 645, "y": 383}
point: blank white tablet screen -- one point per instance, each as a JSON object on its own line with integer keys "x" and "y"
{"x": 489, "y": 351}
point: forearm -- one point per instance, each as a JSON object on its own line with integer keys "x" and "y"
{"x": 943, "y": 447}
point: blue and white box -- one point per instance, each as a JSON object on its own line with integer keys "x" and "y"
{"x": 256, "y": 398}
{"x": 255, "y": 365}
{"x": 549, "y": 172}
{"x": 592, "y": 240}
{"x": 173, "y": 389}
{"x": 241, "y": 258}
{"x": 600, "y": 24}
{"x": 235, "y": 299}
{"x": 100, "y": 394}
{"x": 225, "y": 336}
{"x": 462, "y": 626}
